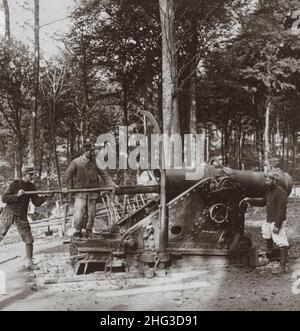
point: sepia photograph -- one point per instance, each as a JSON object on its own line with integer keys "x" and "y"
{"x": 149, "y": 158}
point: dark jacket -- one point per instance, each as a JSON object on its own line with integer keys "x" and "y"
{"x": 18, "y": 206}
{"x": 276, "y": 203}
{"x": 85, "y": 174}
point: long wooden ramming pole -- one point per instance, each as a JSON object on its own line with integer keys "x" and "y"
{"x": 120, "y": 190}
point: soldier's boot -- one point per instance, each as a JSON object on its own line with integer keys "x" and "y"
{"x": 269, "y": 244}
{"x": 29, "y": 265}
{"x": 283, "y": 260}
{"x": 77, "y": 234}
{"x": 88, "y": 233}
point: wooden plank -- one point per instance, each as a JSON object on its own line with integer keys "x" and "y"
{"x": 198, "y": 251}
{"x": 10, "y": 259}
{"x": 94, "y": 249}
{"x": 154, "y": 289}
{"x": 97, "y": 243}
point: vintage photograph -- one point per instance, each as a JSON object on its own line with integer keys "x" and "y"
{"x": 150, "y": 157}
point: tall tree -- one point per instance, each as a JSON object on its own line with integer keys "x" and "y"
{"x": 122, "y": 40}
{"x": 35, "y": 93}
{"x": 53, "y": 88}
{"x": 15, "y": 88}
{"x": 7, "y": 19}
{"x": 200, "y": 26}
{"x": 170, "y": 109}
{"x": 270, "y": 69}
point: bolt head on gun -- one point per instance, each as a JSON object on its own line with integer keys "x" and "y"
{"x": 246, "y": 205}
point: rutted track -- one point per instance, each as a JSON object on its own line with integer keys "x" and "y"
{"x": 55, "y": 287}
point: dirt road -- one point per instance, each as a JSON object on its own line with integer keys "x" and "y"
{"x": 55, "y": 287}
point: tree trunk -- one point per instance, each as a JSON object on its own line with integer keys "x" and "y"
{"x": 68, "y": 147}
{"x": 36, "y": 69}
{"x": 277, "y": 131}
{"x": 169, "y": 68}
{"x": 86, "y": 96}
{"x": 15, "y": 164}
{"x": 125, "y": 101}
{"x": 242, "y": 149}
{"x": 48, "y": 163}
{"x": 72, "y": 142}
{"x": 54, "y": 144}
{"x": 7, "y": 20}
{"x": 175, "y": 128}
{"x": 82, "y": 133}
{"x": 294, "y": 149}
{"x": 288, "y": 147}
{"x": 259, "y": 147}
{"x": 267, "y": 134}
{"x": 19, "y": 155}
{"x": 193, "y": 55}
{"x": 226, "y": 147}
{"x": 193, "y": 109}
{"x": 239, "y": 149}
{"x": 233, "y": 148}
{"x": 148, "y": 101}
{"x": 283, "y": 148}
{"x": 160, "y": 105}
{"x": 207, "y": 144}
{"x": 41, "y": 164}
{"x": 222, "y": 146}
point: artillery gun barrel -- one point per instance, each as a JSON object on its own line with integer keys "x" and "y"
{"x": 121, "y": 190}
{"x": 252, "y": 181}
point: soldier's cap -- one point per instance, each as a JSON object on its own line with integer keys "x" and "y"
{"x": 272, "y": 174}
{"x": 88, "y": 145}
{"x": 28, "y": 170}
{"x": 215, "y": 159}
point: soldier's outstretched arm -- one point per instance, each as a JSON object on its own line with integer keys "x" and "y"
{"x": 259, "y": 202}
{"x": 10, "y": 195}
{"x": 70, "y": 172}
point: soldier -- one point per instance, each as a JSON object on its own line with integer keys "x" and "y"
{"x": 85, "y": 174}
{"x": 217, "y": 162}
{"x": 16, "y": 209}
{"x": 274, "y": 227}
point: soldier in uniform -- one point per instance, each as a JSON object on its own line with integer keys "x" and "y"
{"x": 16, "y": 210}
{"x": 86, "y": 174}
{"x": 274, "y": 227}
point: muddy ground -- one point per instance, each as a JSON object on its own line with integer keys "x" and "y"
{"x": 212, "y": 286}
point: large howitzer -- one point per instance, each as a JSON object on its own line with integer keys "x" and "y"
{"x": 203, "y": 217}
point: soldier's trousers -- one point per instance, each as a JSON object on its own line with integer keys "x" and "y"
{"x": 80, "y": 206}
{"x": 22, "y": 224}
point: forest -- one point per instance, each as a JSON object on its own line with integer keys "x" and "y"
{"x": 229, "y": 70}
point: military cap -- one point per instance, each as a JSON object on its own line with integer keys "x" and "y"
{"x": 28, "y": 170}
